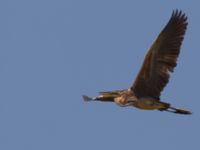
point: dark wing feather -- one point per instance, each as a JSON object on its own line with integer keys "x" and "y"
{"x": 161, "y": 58}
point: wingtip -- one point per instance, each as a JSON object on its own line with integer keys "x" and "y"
{"x": 86, "y": 98}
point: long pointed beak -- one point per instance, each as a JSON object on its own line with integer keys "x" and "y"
{"x": 87, "y": 98}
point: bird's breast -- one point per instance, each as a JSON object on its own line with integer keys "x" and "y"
{"x": 121, "y": 101}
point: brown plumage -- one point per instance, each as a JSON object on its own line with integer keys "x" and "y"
{"x": 161, "y": 58}
{"x": 155, "y": 71}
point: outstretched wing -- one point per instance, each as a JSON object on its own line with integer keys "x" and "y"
{"x": 161, "y": 58}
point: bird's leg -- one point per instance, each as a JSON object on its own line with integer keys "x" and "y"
{"x": 178, "y": 111}
{"x": 168, "y": 110}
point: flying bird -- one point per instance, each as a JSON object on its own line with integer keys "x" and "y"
{"x": 154, "y": 74}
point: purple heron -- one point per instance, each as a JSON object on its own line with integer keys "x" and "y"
{"x": 154, "y": 74}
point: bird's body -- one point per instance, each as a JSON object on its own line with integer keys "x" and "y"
{"x": 155, "y": 71}
{"x": 128, "y": 98}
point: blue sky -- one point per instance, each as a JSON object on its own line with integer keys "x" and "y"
{"x": 52, "y": 52}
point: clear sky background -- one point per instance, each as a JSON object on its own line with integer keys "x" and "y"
{"x": 52, "y": 52}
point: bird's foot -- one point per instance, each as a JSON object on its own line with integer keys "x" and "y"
{"x": 178, "y": 111}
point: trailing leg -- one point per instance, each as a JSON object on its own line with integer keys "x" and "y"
{"x": 179, "y": 111}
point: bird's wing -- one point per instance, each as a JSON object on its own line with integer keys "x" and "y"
{"x": 161, "y": 58}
